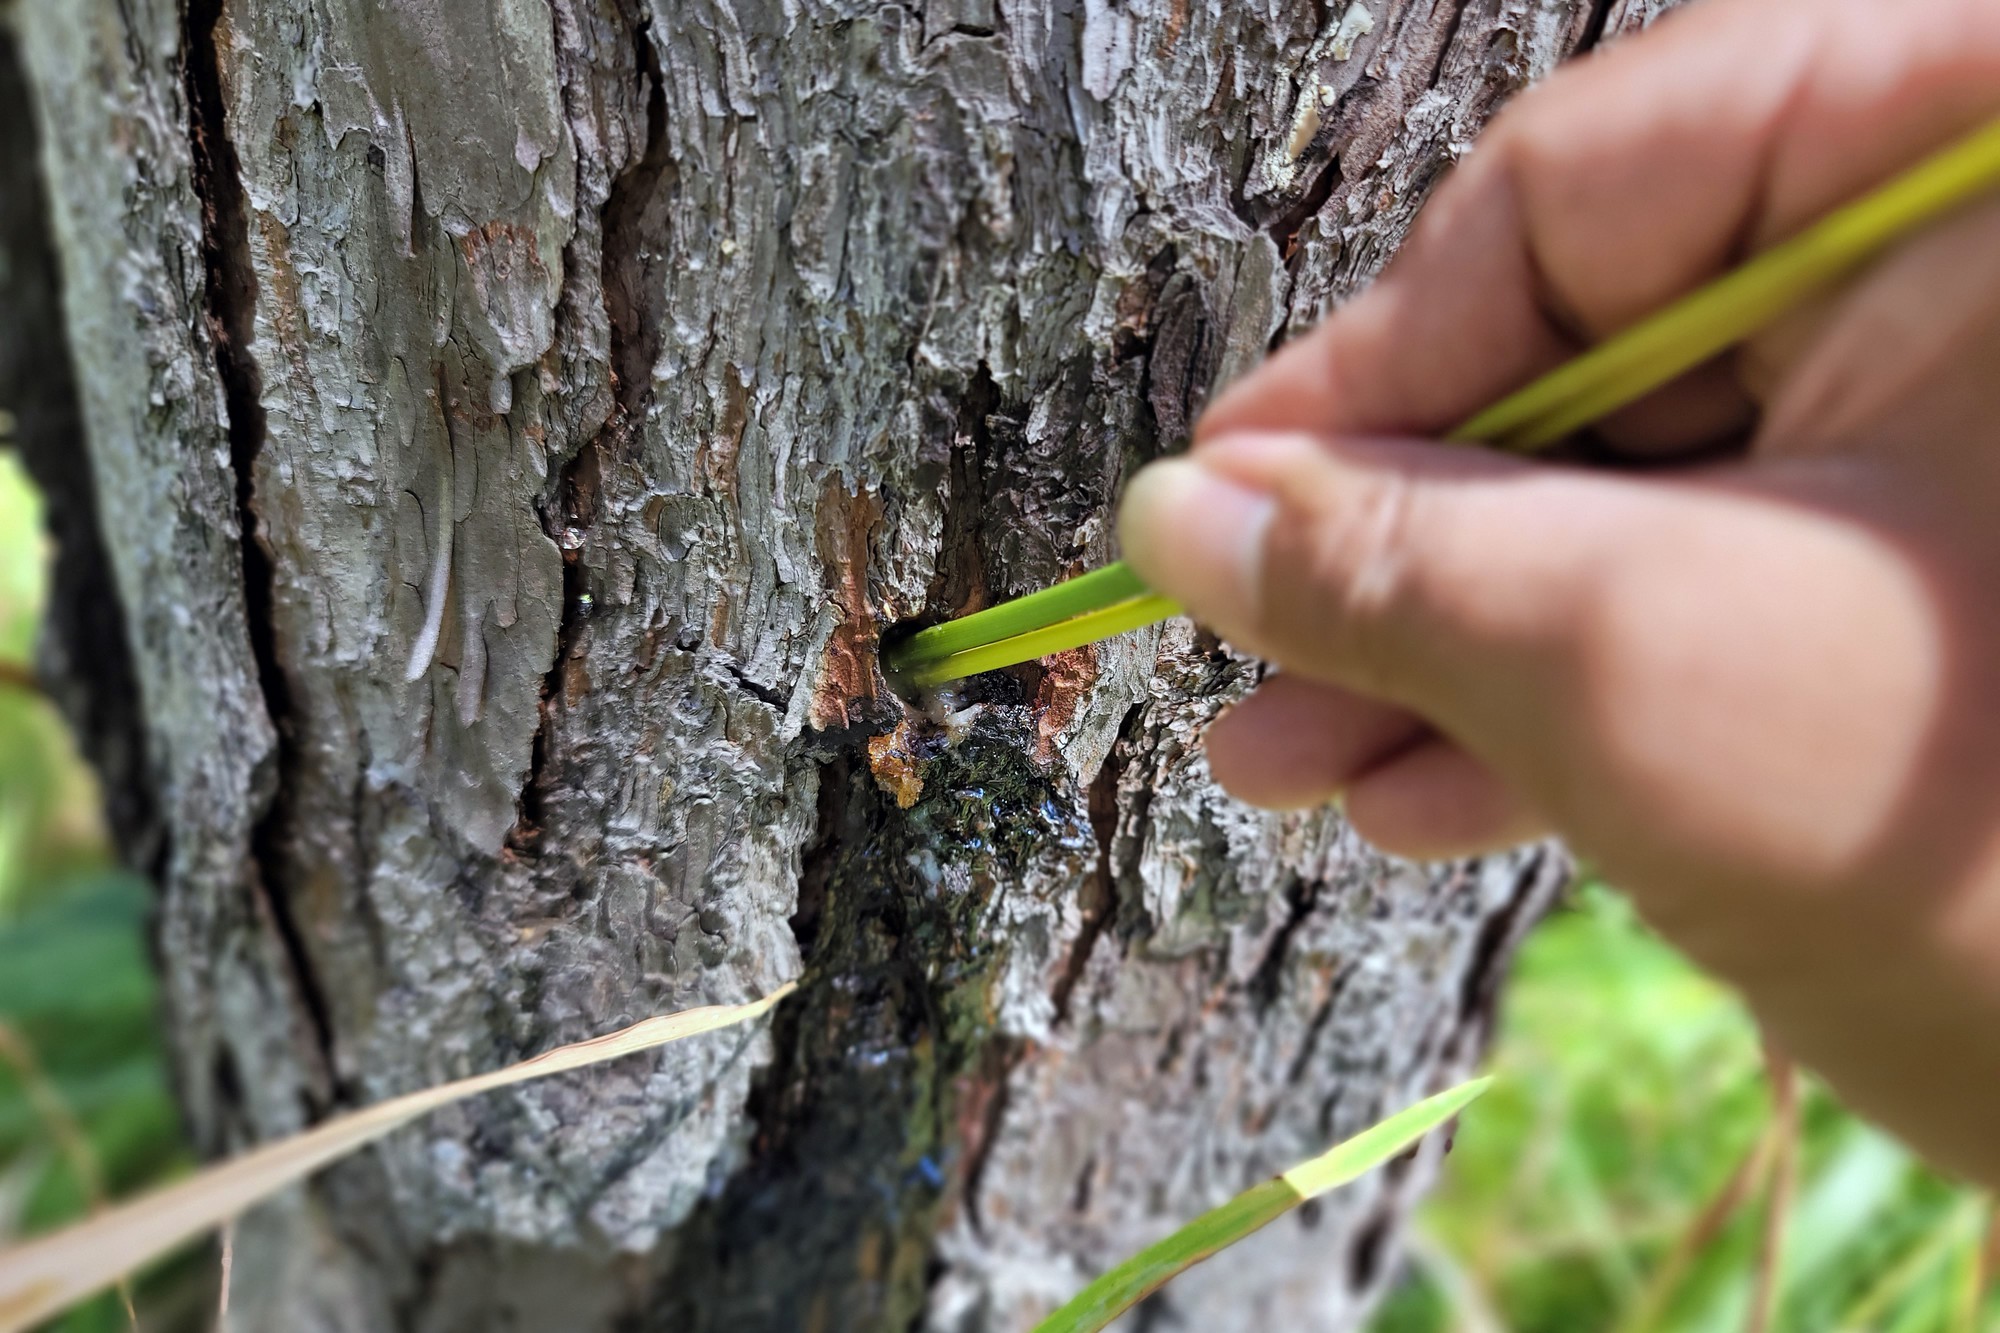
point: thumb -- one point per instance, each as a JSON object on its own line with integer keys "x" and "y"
{"x": 1410, "y": 572}
{"x": 1562, "y": 625}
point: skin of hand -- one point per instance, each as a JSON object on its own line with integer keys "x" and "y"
{"x": 1754, "y": 676}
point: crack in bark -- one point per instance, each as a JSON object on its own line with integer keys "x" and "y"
{"x": 230, "y": 305}
{"x": 633, "y": 232}
{"x": 1002, "y": 1056}
{"x": 1301, "y": 897}
{"x": 1168, "y": 326}
{"x": 776, "y": 698}
{"x": 1100, "y": 890}
{"x": 961, "y": 584}
{"x": 1286, "y": 226}
{"x": 1364, "y": 1255}
{"x": 1316, "y": 1027}
{"x": 1451, "y": 32}
{"x": 1593, "y": 27}
{"x": 1542, "y": 879}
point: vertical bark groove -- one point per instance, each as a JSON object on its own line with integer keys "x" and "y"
{"x": 1300, "y": 898}
{"x": 230, "y": 300}
{"x": 632, "y": 230}
{"x": 1098, "y": 900}
{"x": 1594, "y": 26}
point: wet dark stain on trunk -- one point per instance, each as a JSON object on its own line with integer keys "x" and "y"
{"x": 889, "y": 1078}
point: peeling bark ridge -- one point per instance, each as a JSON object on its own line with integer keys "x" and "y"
{"x": 514, "y": 425}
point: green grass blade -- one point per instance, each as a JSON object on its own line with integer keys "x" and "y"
{"x": 1072, "y": 597}
{"x": 1150, "y": 1269}
{"x": 1153, "y": 1267}
{"x": 1611, "y": 376}
{"x": 1872, "y": 1307}
{"x": 1133, "y": 613}
{"x": 1372, "y": 1147}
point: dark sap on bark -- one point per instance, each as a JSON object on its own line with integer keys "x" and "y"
{"x": 889, "y": 1073}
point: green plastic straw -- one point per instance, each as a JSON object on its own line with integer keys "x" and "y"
{"x": 1616, "y": 374}
{"x": 1151, "y": 1268}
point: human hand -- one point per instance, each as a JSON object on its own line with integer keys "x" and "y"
{"x": 1757, "y": 681}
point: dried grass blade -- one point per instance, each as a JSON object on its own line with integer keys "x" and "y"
{"x": 1743, "y": 1182}
{"x": 68, "y": 1133}
{"x": 1147, "y": 1271}
{"x": 1781, "y": 1190}
{"x": 1958, "y": 1229}
{"x": 1969, "y": 1297}
{"x": 42, "y": 1277}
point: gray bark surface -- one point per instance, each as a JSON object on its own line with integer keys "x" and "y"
{"x": 512, "y": 424}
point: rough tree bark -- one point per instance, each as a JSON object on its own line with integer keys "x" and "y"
{"x": 511, "y": 424}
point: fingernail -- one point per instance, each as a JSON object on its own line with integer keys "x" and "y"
{"x": 1196, "y": 536}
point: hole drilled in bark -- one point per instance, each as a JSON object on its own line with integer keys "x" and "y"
{"x": 893, "y": 637}
{"x": 1016, "y": 684}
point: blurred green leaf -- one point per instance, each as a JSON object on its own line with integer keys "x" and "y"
{"x": 1630, "y": 1088}
{"x": 76, "y": 986}
{"x": 22, "y": 558}
{"x": 80, "y": 955}
{"x": 1153, "y": 1267}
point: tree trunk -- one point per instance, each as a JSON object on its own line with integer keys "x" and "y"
{"x": 513, "y": 423}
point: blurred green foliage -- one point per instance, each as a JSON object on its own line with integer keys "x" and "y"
{"x": 36, "y": 799}
{"x": 1630, "y": 1088}
{"x": 85, "y": 1112}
